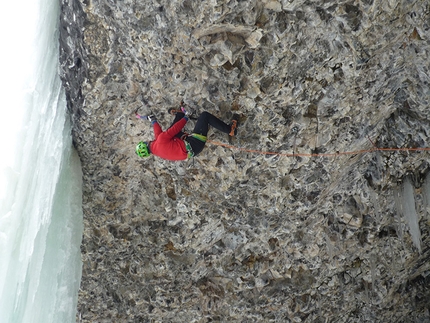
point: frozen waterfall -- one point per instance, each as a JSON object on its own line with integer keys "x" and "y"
{"x": 40, "y": 174}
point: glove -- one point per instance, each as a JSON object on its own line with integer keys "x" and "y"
{"x": 185, "y": 111}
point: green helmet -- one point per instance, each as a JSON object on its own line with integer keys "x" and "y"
{"x": 142, "y": 149}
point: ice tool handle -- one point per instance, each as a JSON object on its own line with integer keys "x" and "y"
{"x": 151, "y": 118}
{"x": 141, "y": 117}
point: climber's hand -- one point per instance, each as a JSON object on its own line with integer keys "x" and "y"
{"x": 187, "y": 113}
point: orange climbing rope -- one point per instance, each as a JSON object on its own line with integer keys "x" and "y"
{"x": 356, "y": 152}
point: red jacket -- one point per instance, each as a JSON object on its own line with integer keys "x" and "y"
{"x": 166, "y": 145}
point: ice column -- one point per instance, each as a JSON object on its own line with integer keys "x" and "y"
{"x": 409, "y": 212}
{"x": 426, "y": 196}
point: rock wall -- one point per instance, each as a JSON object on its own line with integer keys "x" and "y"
{"x": 240, "y": 236}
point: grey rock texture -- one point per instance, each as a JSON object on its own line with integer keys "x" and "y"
{"x": 238, "y": 236}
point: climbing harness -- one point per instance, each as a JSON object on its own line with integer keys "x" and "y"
{"x": 189, "y": 149}
{"x": 188, "y": 145}
{"x": 199, "y": 137}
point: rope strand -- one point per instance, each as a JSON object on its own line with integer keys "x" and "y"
{"x": 356, "y": 152}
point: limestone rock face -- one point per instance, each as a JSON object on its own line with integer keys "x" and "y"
{"x": 236, "y": 235}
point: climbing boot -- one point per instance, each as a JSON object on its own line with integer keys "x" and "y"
{"x": 234, "y": 125}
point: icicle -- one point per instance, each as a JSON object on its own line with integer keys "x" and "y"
{"x": 374, "y": 200}
{"x": 389, "y": 257}
{"x": 410, "y": 213}
{"x": 399, "y": 212}
{"x": 426, "y": 196}
{"x": 366, "y": 292}
{"x": 373, "y": 260}
{"x": 379, "y": 167}
{"x": 398, "y": 215}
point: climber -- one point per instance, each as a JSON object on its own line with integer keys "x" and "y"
{"x": 174, "y": 144}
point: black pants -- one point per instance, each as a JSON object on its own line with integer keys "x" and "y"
{"x": 202, "y": 127}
